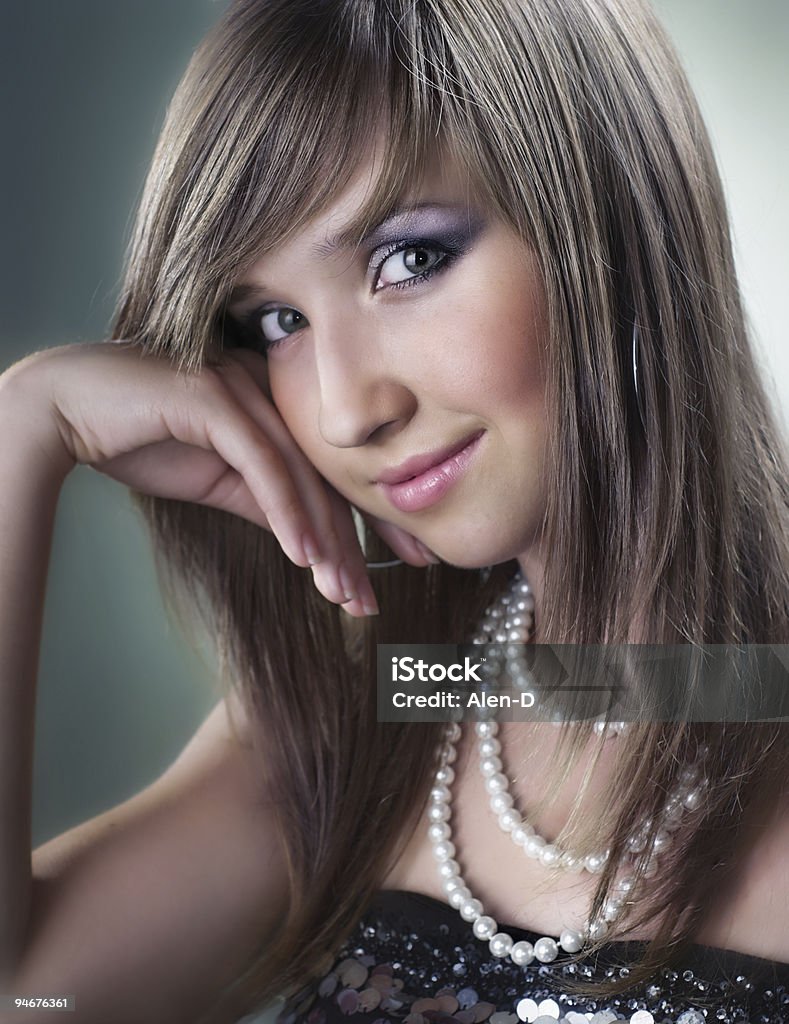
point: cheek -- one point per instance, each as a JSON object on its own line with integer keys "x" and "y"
{"x": 496, "y": 335}
{"x": 297, "y": 405}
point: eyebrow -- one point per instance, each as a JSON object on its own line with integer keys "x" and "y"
{"x": 344, "y": 239}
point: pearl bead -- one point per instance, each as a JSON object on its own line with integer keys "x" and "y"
{"x": 546, "y": 949}
{"x": 459, "y": 896}
{"x": 445, "y": 775}
{"x": 484, "y": 927}
{"x": 445, "y": 850}
{"x": 449, "y": 885}
{"x": 440, "y": 794}
{"x": 661, "y": 842}
{"x": 448, "y": 869}
{"x": 439, "y": 830}
{"x": 693, "y": 799}
{"x": 490, "y": 766}
{"x": 522, "y": 832}
{"x": 522, "y": 953}
{"x": 500, "y": 944}
{"x": 500, "y": 802}
{"x": 449, "y": 755}
{"x": 489, "y": 747}
{"x": 595, "y": 863}
{"x": 549, "y": 855}
{"x": 486, "y": 729}
{"x": 637, "y": 843}
{"x": 470, "y": 910}
{"x": 509, "y": 820}
{"x": 625, "y": 885}
{"x": 533, "y": 846}
{"x": 612, "y": 910}
{"x": 597, "y": 930}
{"x": 438, "y": 812}
{"x": 571, "y": 941}
{"x": 453, "y": 732}
{"x": 496, "y": 783}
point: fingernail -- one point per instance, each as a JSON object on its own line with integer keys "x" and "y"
{"x": 368, "y": 599}
{"x": 346, "y": 583}
{"x": 327, "y": 582}
{"x": 311, "y": 549}
{"x": 432, "y": 558}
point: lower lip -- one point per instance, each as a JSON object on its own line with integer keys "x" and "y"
{"x": 429, "y": 487}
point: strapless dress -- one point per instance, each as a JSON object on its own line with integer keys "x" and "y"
{"x": 412, "y": 959}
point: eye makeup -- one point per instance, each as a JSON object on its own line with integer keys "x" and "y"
{"x": 445, "y": 230}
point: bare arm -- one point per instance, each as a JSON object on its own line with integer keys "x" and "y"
{"x": 146, "y": 911}
{"x": 31, "y": 476}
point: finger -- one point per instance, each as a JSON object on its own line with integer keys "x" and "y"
{"x": 353, "y": 570}
{"x": 172, "y": 469}
{"x": 308, "y": 482}
{"x": 228, "y": 429}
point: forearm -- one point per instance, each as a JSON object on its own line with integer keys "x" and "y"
{"x": 31, "y": 475}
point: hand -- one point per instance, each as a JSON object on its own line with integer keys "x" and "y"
{"x": 212, "y": 437}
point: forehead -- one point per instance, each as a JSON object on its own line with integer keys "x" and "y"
{"x": 351, "y": 216}
{"x": 359, "y": 207}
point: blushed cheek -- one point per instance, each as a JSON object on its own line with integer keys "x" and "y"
{"x": 299, "y": 411}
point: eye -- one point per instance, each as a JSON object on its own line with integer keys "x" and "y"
{"x": 410, "y": 263}
{"x": 276, "y": 324}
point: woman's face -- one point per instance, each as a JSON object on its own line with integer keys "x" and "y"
{"x": 388, "y": 359}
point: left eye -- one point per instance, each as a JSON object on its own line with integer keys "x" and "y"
{"x": 407, "y": 264}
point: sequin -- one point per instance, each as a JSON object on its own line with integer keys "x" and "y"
{"x": 527, "y": 1010}
{"x": 369, "y": 999}
{"x": 348, "y": 1001}
{"x": 400, "y": 966}
{"x": 467, "y": 997}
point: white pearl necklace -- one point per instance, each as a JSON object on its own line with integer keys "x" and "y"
{"x": 687, "y": 796}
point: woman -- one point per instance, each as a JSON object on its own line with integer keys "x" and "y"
{"x": 464, "y": 268}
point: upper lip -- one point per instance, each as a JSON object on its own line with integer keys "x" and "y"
{"x": 418, "y": 464}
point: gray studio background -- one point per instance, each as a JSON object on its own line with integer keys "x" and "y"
{"x": 85, "y": 85}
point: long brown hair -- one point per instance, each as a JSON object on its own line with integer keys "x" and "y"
{"x": 575, "y": 124}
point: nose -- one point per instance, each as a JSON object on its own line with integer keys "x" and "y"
{"x": 363, "y": 394}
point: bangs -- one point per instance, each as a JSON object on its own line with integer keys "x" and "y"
{"x": 280, "y": 107}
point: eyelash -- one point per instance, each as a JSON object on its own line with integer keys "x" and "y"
{"x": 450, "y": 252}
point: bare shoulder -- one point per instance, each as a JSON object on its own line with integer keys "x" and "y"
{"x": 156, "y": 904}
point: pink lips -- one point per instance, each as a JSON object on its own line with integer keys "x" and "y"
{"x": 425, "y": 479}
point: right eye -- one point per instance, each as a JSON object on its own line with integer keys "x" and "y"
{"x": 276, "y": 324}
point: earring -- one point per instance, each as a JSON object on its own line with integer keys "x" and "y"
{"x": 639, "y": 405}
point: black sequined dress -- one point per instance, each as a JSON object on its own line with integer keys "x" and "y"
{"x": 413, "y": 959}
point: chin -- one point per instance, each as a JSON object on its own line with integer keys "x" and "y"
{"x": 474, "y": 554}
